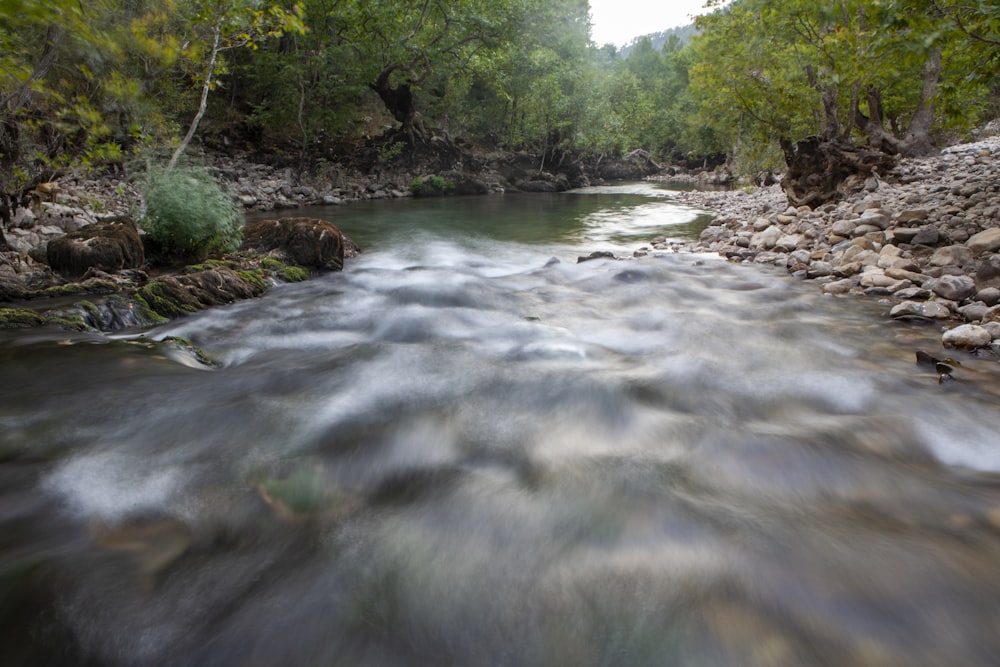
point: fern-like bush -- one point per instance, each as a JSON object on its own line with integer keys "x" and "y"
{"x": 188, "y": 215}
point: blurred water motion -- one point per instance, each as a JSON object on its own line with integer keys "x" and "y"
{"x": 459, "y": 452}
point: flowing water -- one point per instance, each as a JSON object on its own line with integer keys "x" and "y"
{"x": 468, "y": 449}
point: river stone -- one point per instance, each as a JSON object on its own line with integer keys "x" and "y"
{"x": 876, "y": 217}
{"x": 967, "y": 337}
{"x": 987, "y": 240}
{"x": 913, "y": 294}
{"x": 879, "y": 279}
{"x": 788, "y": 242}
{"x": 974, "y": 311}
{"x": 111, "y": 246}
{"x": 953, "y": 288}
{"x": 928, "y": 235}
{"x": 912, "y": 215}
{"x": 953, "y": 255}
{"x": 766, "y": 239}
{"x": 903, "y": 274}
{"x": 307, "y": 242}
{"x": 843, "y": 228}
{"x": 930, "y": 310}
{"x": 988, "y": 273}
{"x": 905, "y": 234}
{"x": 713, "y": 234}
{"x": 990, "y": 296}
{"x": 838, "y": 286}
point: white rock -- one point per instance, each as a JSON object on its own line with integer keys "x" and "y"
{"x": 967, "y": 337}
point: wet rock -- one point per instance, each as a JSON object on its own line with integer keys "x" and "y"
{"x": 843, "y": 286}
{"x": 308, "y": 242}
{"x": 915, "y": 310}
{"x": 109, "y": 247}
{"x": 600, "y": 254}
{"x": 966, "y": 337}
{"x": 172, "y": 296}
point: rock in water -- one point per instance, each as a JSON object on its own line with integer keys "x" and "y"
{"x": 315, "y": 244}
{"x": 966, "y": 337}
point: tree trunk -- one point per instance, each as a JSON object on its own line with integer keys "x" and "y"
{"x": 918, "y": 141}
{"x": 398, "y": 100}
{"x": 205, "y": 88}
{"x": 873, "y": 125}
{"x": 818, "y": 169}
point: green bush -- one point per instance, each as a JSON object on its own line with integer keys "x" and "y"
{"x": 433, "y": 185}
{"x": 188, "y": 215}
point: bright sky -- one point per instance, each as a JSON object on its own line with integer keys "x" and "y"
{"x": 618, "y": 21}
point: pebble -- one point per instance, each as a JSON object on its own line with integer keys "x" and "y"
{"x": 926, "y": 236}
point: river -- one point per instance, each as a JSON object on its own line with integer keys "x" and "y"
{"x": 469, "y": 449}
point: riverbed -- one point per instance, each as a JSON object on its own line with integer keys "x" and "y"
{"x": 469, "y": 449}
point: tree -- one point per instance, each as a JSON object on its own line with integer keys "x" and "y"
{"x": 832, "y": 70}
{"x": 403, "y": 45}
{"x": 222, "y": 25}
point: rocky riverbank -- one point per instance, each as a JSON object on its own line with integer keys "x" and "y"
{"x": 923, "y": 237}
{"x": 78, "y": 235}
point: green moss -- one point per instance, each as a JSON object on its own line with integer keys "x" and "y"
{"x": 209, "y": 264}
{"x": 157, "y": 297}
{"x": 145, "y": 313}
{"x": 254, "y": 278}
{"x": 294, "y": 274}
{"x": 17, "y": 318}
{"x": 271, "y": 263}
{"x": 69, "y": 321}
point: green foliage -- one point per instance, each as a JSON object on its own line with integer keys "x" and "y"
{"x": 188, "y": 214}
{"x": 431, "y": 184}
{"x": 85, "y": 84}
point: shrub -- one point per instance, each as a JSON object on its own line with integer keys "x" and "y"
{"x": 188, "y": 215}
{"x": 432, "y": 186}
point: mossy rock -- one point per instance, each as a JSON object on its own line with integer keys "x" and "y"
{"x": 19, "y": 318}
{"x": 111, "y": 247}
{"x": 253, "y": 277}
{"x": 308, "y": 242}
{"x": 293, "y": 274}
{"x": 172, "y": 296}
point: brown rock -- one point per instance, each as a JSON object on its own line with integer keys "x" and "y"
{"x": 308, "y": 242}
{"x": 110, "y": 247}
